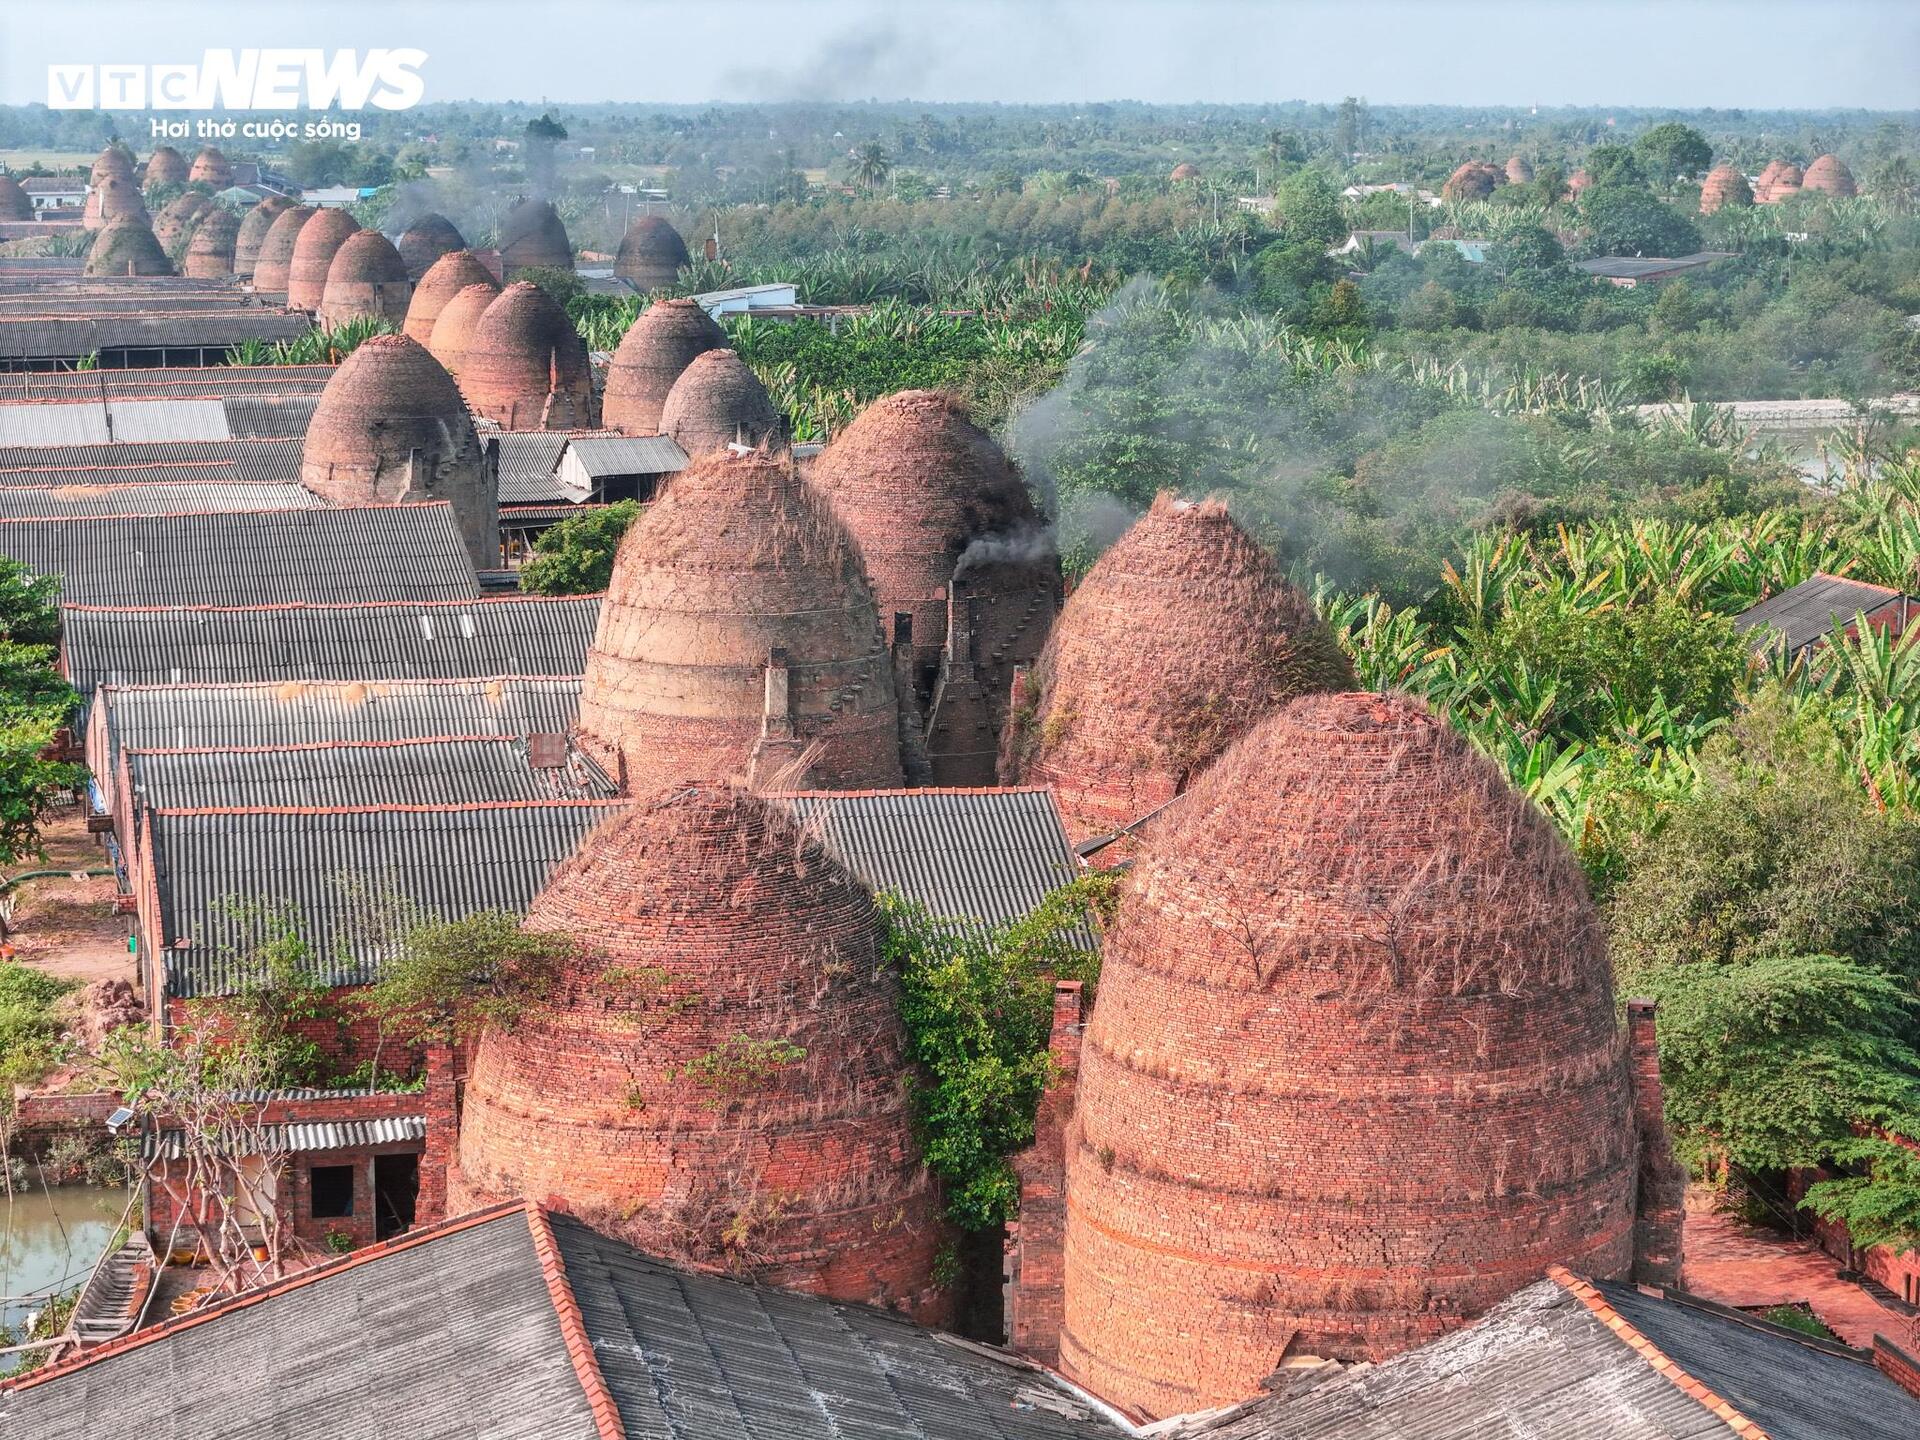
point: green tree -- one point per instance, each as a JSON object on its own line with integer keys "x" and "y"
{"x": 1672, "y": 150}
{"x": 576, "y": 556}
{"x": 1306, "y": 206}
{"x": 1613, "y": 165}
{"x": 872, "y": 165}
{"x": 449, "y": 978}
{"x": 1628, "y": 220}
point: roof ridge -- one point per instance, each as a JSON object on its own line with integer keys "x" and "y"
{"x": 341, "y": 684}
{"x": 388, "y": 742}
{"x": 1657, "y": 1359}
{"x": 204, "y": 514}
{"x": 573, "y": 1325}
{"x": 458, "y": 807}
{"x": 516, "y": 599}
{"x": 905, "y": 790}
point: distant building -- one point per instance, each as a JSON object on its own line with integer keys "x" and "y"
{"x": 1627, "y": 271}
{"x": 1803, "y": 616}
{"x": 55, "y": 192}
{"x": 747, "y": 298}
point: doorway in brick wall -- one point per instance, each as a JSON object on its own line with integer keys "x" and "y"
{"x": 396, "y": 1186}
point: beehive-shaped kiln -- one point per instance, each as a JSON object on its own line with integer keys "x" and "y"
{"x": 424, "y": 241}
{"x": 254, "y": 226}
{"x": 654, "y": 353}
{"x": 532, "y": 237}
{"x": 1474, "y": 180}
{"x": 1519, "y": 170}
{"x": 210, "y": 252}
{"x": 127, "y": 247}
{"x": 15, "y": 203}
{"x": 1179, "y": 639}
{"x": 178, "y": 216}
{"x": 1829, "y": 175}
{"x": 115, "y": 162}
{"x": 739, "y": 638}
{"x": 391, "y": 426}
{"x": 165, "y": 166}
{"x": 1185, "y": 170}
{"x": 651, "y": 254}
{"x": 319, "y": 241}
{"x": 272, "y": 267}
{"x": 716, "y": 402}
{"x": 525, "y": 366}
{"x": 717, "y": 1075}
{"x": 211, "y": 168}
{"x": 453, "y": 327}
{"x": 445, "y": 278}
{"x": 1354, "y": 1074}
{"x": 1780, "y": 179}
{"x": 113, "y": 198}
{"x": 366, "y": 281}
{"x": 1724, "y": 185}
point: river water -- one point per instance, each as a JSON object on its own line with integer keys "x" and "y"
{"x": 50, "y": 1240}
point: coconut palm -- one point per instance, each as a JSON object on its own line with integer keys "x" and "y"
{"x": 872, "y": 164}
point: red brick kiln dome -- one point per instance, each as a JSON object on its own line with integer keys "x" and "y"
{"x": 453, "y": 327}
{"x": 717, "y": 401}
{"x": 532, "y": 237}
{"x": 651, "y": 254}
{"x": 1578, "y": 181}
{"x": 1354, "y": 1074}
{"x": 708, "y": 923}
{"x": 739, "y": 638}
{"x": 1780, "y": 179}
{"x": 273, "y": 265}
{"x": 166, "y": 166}
{"x": 15, "y": 204}
{"x": 391, "y": 426}
{"x": 319, "y": 241}
{"x": 1474, "y": 180}
{"x": 445, "y": 278}
{"x": 424, "y": 241}
{"x": 127, "y": 247}
{"x": 1185, "y": 170}
{"x": 116, "y": 162}
{"x": 525, "y": 366}
{"x": 1179, "y": 639}
{"x": 210, "y": 252}
{"x": 113, "y": 198}
{"x": 1829, "y": 174}
{"x": 178, "y": 216}
{"x": 254, "y": 226}
{"x": 211, "y": 167}
{"x": 1724, "y": 185}
{"x": 1519, "y": 170}
{"x": 367, "y": 280}
{"x": 654, "y": 353}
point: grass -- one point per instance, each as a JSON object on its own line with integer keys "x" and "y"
{"x": 52, "y": 159}
{"x": 1798, "y": 1317}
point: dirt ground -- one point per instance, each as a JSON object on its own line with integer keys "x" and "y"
{"x": 67, "y": 926}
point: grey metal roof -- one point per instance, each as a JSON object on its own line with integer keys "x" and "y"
{"x": 601, "y": 456}
{"x": 987, "y": 856}
{"x": 253, "y": 557}
{"x": 504, "y": 635}
{"x": 171, "y": 383}
{"x": 528, "y": 459}
{"x": 1635, "y": 267}
{"x": 160, "y": 498}
{"x": 462, "y": 770}
{"x": 69, "y": 337}
{"x": 137, "y": 421}
{"x": 1805, "y": 614}
{"x": 451, "y": 861}
{"x": 304, "y": 1136}
{"x": 271, "y": 461}
{"x": 527, "y": 516}
{"x": 453, "y": 1333}
{"x": 268, "y": 416}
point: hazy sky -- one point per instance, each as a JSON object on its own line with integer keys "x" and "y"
{"x": 1758, "y": 53}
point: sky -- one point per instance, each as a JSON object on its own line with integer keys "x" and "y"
{"x": 1680, "y": 53}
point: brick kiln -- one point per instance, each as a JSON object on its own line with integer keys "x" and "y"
{"x": 453, "y": 327}
{"x": 272, "y": 267}
{"x": 391, "y": 426}
{"x": 946, "y": 524}
{"x": 716, "y": 402}
{"x": 318, "y": 242}
{"x": 15, "y": 203}
{"x": 1354, "y": 1074}
{"x": 1519, "y": 170}
{"x": 739, "y": 638}
{"x": 651, "y": 254}
{"x": 212, "y": 168}
{"x": 651, "y": 356}
{"x": 115, "y": 162}
{"x": 717, "y": 1075}
{"x": 532, "y": 237}
{"x": 113, "y": 198}
{"x": 1829, "y": 175}
{"x": 178, "y": 216}
{"x": 525, "y": 366}
{"x": 210, "y": 252}
{"x": 424, "y": 241}
{"x": 1780, "y": 179}
{"x": 254, "y": 226}
{"x": 366, "y": 281}
{"x": 1180, "y": 638}
{"x": 127, "y": 247}
{"x": 445, "y": 278}
{"x": 1474, "y": 180}
{"x": 1724, "y": 185}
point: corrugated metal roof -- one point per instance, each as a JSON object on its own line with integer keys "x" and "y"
{"x": 987, "y": 856}
{"x": 162, "y": 498}
{"x": 138, "y": 421}
{"x": 627, "y": 455}
{"x": 174, "y": 383}
{"x": 269, "y": 416}
{"x": 1806, "y": 613}
{"x": 528, "y": 459}
{"x": 507, "y": 635}
{"x": 69, "y": 424}
{"x": 302, "y": 1138}
{"x": 70, "y": 337}
{"x": 529, "y": 516}
{"x": 330, "y": 555}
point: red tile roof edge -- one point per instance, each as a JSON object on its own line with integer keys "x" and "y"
{"x": 407, "y": 680}
{"x": 573, "y": 1327}
{"x": 515, "y": 599}
{"x": 495, "y": 738}
{"x": 905, "y": 790}
{"x": 203, "y": 514}
{"x": 1653, "y": 1355}
{"x": 454, "y": 809}
{"x": 249, "y": 1298}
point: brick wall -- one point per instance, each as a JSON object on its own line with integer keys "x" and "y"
{"x": 345, "y": 1036}
{"x": 1897, "y": 1365}
{"x": 1898, "y": 1270}
{"x": 1659, "y": 1225}
{"x": 1036, "y": 1242}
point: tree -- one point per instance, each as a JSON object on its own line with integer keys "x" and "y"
{"x": 1672, "y": 150}
{"x": 1613, "y": 165}
{"x": 1628, "y": 220}
{"x": 450, "y": 978}
{"x": 1550, "y": 184}
{"x": 1349, "y": 131}
{"x": 872, "y": 165}
{"x": 1306, "y": 206}
{"x": 576, "y": 556}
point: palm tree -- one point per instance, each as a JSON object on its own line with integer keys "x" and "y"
{"x": 872, "y": 164}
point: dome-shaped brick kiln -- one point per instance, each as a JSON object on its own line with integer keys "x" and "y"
{"x": 716, "y": 402}
{"x": 391, "y": 426}
{"x": 445, "y": 278}
{"x": 116, "y": 162}
{"x": 1180, "y": 638}
{"x": 111, "y": 199}
{"x": 651, "y": 254}
{"x": 424, "y": 241}
{"x": 739, "y": 639}
{"x": 1829, "y": 175}
{"x": 175, "y": 222}
{"x": 1474, "y": 180}
{"x": 210, "y": 252}
{"x": 319, "y": 241}
{"x": 453, "y": 327}
{"x": 367, "y": 280}
{"x": 654, "y": 353}
{"x": 15, "y": 203}
{"x": 1724, "y": 185}
{"x": 532, "y": 237}
{"x": 211, "y": 167}
{"x": 1185, "y": 170}
{"x": 1354, "y": 1074}
{"x": 1579, "y": 180}
{"x": 1519, "y": 170}
{"x": 272, "y": 267}
{"x": 127, "y": 247}
{"x": 1780, "y": 179}
{"x": 254, "y": 226}
{"x": 525, "y": 366}
{"x": 716, "y": 1075}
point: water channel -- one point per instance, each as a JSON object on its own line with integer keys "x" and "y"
{"x": 50, "y": 1240}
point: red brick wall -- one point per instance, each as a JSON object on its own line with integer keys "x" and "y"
{"x": 345, "y": 1036}
{"x": 1036, "y": 1242}
{"x": 1897, "y": 1365}
{"x": 1898, "y": 1270}
{"x": 1660, "y": 1198}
